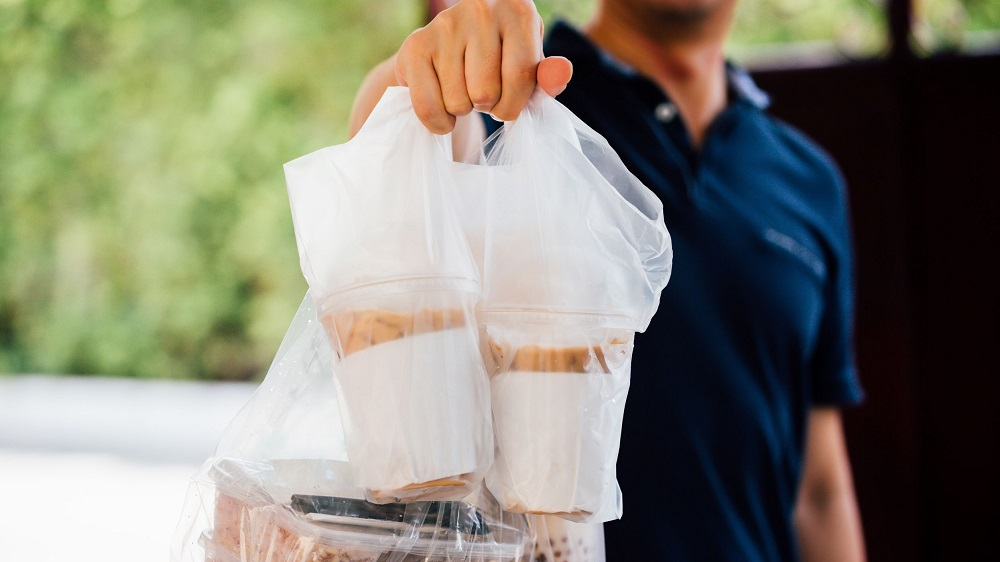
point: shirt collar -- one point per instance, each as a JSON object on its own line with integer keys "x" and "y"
{"x": 573, "y": 43}
{"x": 745, "y": 88}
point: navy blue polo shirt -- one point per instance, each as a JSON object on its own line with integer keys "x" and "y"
{"x": 753, "y": 330}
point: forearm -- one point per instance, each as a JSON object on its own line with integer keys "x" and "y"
{"x": 829, "y": 528}
{"x": 827, "y": 519}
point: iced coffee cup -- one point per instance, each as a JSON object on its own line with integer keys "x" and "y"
{"x": 412, "y": 389}
{"x": 557, "y": 393}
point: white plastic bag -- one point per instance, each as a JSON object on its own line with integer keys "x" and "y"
{"x": 278, "y": 487}
{"x": 397, "y": 288}
{"x": 575, "y": 254}
{"x": 380, "y": 390}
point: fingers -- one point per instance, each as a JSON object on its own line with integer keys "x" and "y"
{"x": 449, "y": 66}
{"x": 478, "y": 55}
{"x": 521, "y": 36}
{"x": 482, "y": 70}
{"x": 416, "y": 70}
{"x": 554, "y": 74}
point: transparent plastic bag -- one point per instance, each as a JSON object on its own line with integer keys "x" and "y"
{"x": 379, "y": 390}
{"x": 575, "y": 254}
{"x": 397, "y": 289}
{"x": 568, "y": 229}
{"x": 279, "y": 487}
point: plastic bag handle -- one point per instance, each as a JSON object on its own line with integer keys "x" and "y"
{"x": 395, "y": 111}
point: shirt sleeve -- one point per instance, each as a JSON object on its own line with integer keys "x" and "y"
{"x": 834, "y": 372}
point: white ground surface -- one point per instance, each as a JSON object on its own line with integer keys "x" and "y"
{"x": 96, "y": 470}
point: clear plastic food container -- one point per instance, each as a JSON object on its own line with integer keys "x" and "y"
{"x": 251, "y": 525}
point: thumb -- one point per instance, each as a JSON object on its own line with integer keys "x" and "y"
{"x": 553, "y": 74}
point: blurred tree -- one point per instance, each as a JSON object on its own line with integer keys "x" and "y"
{"x": 845, "y": 29}
{"x": 144, "y": 225}
{"x": 955, "y": 25}
{"x": 854, "y": 28}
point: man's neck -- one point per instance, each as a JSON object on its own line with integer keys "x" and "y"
{"x": 682, "y": 56}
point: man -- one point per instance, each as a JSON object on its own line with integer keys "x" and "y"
{"x": 732, "y": 447}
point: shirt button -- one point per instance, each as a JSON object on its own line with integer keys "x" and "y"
{"x": 665, "y": 112}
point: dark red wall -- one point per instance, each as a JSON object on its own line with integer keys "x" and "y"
{"x": 919, "y": 144}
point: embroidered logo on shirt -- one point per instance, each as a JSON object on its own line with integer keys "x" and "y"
{"x": 798, "y": 250}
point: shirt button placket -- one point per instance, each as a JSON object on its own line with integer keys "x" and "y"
{"x": 665, "y": 112}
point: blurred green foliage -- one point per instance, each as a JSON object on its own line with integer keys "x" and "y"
{"x": 765, "y": 30}
{"x": 853, "y": 27}
{"x": 849, "y": 28}
{"x": 955, "y": 25}
{"x": 144, "y": 223}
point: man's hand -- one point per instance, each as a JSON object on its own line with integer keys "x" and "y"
{"x": 479, "y": 54}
